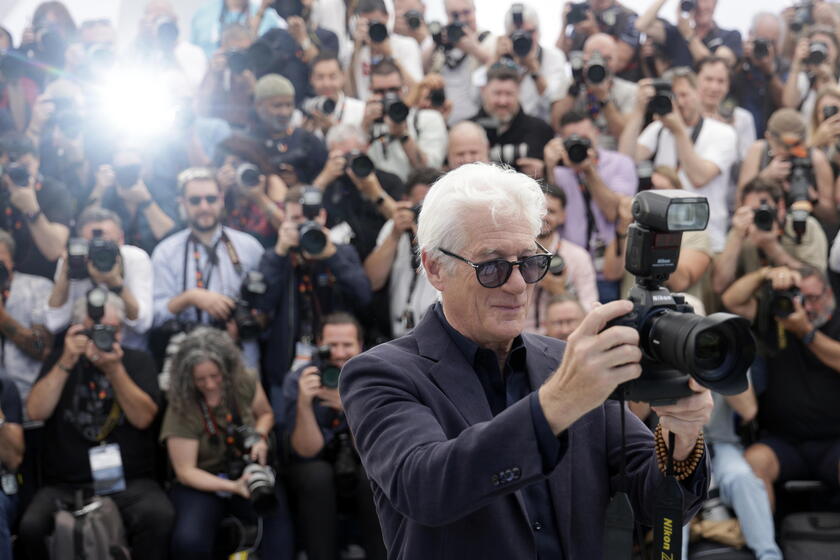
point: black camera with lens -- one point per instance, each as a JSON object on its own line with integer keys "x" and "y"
{"x": 328, "y": 372}
{"x": 237, "y": 61}
{"x": 394, "y": 107}
{"x": 454, "y": 32}
{"x": 360, "y": 164}
{"x": 19, "y": 174}
{"x": 801, "y": 178}
{"x": 676, "y": 344}
{"x": 102, "y": 253}
{"x": 261, "y": 479}
{"x": 248, "y": 175}
{"x": 596, "y": 71}
{"x": 312, "y": 238}
{"x": 577, "y": 148}
{"x": 437, "y": 97}
{"x": 817, "y": 53}
{"x": 761, "y": 48}
{"x": 378, "y": 32}
{"x": 321, "y": 104}
{"x": 803, "y": 15}
{"x": 765, "y": 216}
{"x": 102, "y": 336}
{"x": 251, "y": 290}
{"x": 688, "y": 6}
{"x": 522, "y": 41}
{"x": 414, "y": 19}
{"x": 577, "y": 13}
{"x": 661, "y": 103}
{"x": 782, "y": 302}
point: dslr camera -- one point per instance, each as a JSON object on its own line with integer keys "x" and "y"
{"x": 103, "y": 336}
{"x": 716, "y": 350}
{"x": 99, "y": 252}
{"x": 577, "y": 148}
{"x": 394, "y": 107}
{"x": 360, "y": 164}
{"x": 320, "y": 104}
{"x": 252, "y": 289}
{"x": 313, "y": 240}
{"x": 765, "y": 216}
{"x": 596, "y": 71}
{"x": 781, "y": 303}
{"x": 262, "y": 479}
{"x": 521, "y": 39}
{"x": 803, "y": 15}
{"x": 248, "y": 175}
{"x": 327, "y": 370}
{"x": 577, "y": 13}
{"x": 661, "y": 103}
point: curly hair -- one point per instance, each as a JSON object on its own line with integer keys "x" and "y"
{"x": 201, "y": 345}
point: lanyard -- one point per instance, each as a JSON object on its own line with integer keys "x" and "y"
{"x": 202, "y": 277}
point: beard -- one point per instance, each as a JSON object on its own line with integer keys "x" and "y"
{"x": 825, "y": 314}
{"x": 196, "y": 224}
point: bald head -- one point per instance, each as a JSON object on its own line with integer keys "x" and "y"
{"x": 467, "y": 144}
{"x": 603, "y": 44}
{"x": 767, "y": 26}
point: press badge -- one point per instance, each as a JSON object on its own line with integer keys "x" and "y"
{"x": 8, "y": 481}
{"x": 107, "y": 469}
{"x": 303, "y": 355}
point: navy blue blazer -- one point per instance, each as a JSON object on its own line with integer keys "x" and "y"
{"x": 446, "y": 474}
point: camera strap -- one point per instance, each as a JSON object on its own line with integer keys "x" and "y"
{"x": 111, "y": 421}
{"x": 202, "y": 277}
{"x": 668, "y": 511}
{"x": 619, "y": 520}
{"x": 591, "y": 223}
{"x": 695, "y": 134}
{"x": 232, "y": 420}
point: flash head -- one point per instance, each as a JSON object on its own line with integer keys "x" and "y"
{"x": 671, "y": 211}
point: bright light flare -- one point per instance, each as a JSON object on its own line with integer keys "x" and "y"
{"x": 137, "y": 102}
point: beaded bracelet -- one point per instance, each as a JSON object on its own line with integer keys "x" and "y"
{"x": 682, "y": 469}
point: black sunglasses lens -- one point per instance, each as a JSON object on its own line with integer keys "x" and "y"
{"x": 494, "y": 273}
{"x": 212, "y": 199}
{"x": 534, "y": 268}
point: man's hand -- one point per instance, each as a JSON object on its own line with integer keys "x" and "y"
{"x": 504, "y": 48}
{"x": 309, "y": 386}
{"x": 136, "y": 194}
{"x": 801, "y": 52}
{"x": 374, "y": 111}
{"x": 644, "y": 94}
{"x": 334, "y": 168}
{"x": 777, "y": 170}
{"x": 241, "y": 486}
{"x": 105, "y": 178}
{"x": 782, "y": 277}
{"x": 395, "y": 129}
{"x": 112, "y": 278}
{"x": 596, "y": 361}
{"x": 330, "y": 398}
{"x": 217, "y": 305}
{"x": 75, "y": 344}
{"x": 297, "y": 29}
{"x": 25, "y": 198}
{"x": 554, "y": 153}
{"x": 827, "y": 132}
{"x": 226, "y": 176}
{"x": 797, "y": 322}
{"x": 287, "y": 237}
{"x": 531, "y": 167}
{"x": 743, "y": 220}
{"x": 685, "y": 419}
{"x": 600, "y": 91}
{"x": 403, "y": 220}
{"x": 673, "y": 121}
{"x": 369, "y": 186}
{"x": 259, "y": 452}
{"x": 360, "y": 36}
{"x": 106, "y": 362}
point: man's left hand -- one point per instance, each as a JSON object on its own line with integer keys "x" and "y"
{"x": 685, "y": 419}
{"x": 23, "y": 198}
{"x": 259, "y": 452}
{"x": 673, "y": 121}
{"x": 106, "y": 362}
{"x": 797, "y": 322}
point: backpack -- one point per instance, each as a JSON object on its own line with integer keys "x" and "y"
{"x": 92, "y": 532}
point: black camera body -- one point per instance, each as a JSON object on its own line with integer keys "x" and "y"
{"x": 577, "y": 148}
{"x": 577, "y": 13}
{"x": 378, "y": 32}
{"x": 248, "y": 175}
{"x": 252, "y": 289}
{"x": 765, "y": 216}
{"x": 715, "y": 350}
{"x": 99, "y": 252}
{"x": 803, "y": 15}
{"x": 454, "y": 32}
{"x": 414, "y": 19}
{"x": 313, "y": 240}
{"x": 596, "y": 70}
{"x": 262, "y": 480}
{"x": 782, "y": 302}
{"x": 662, "y": 101}
{"x": 328, "y": 372}
{"x": 237, "y": 61}
{"x": 102, "y": 336}
{"x": 522, "y": 41}
{"x": 394, "y": 107}
{"x": 761, "y": 48}
{"x": 817, "y": 53}
{"x": 360, "y": 164}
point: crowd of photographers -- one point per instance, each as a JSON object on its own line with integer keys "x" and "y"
{"x": 201, "y": 225}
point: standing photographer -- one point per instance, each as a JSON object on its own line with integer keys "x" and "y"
{"x": 216, "y": 431}
{"x": 325, "y": 465}
{"x": 813, "y": 66}
{"x": 327, "y": 79}
{"x": 98, "y": 401}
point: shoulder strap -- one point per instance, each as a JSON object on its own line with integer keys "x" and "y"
{"x": 765, "y": 156}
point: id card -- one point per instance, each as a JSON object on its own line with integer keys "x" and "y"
{"x": 8, "y": 482}
{"x": 303, "y": 355}
{"x": 107, "y": 469}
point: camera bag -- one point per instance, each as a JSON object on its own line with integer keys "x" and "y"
{"x": 811, "y": 536}
{"x": 92, "y": 532}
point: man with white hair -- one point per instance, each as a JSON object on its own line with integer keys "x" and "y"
{"x": 468, "y": 143}
{"x": 482, "y": 441}
{"x": 542, "y": 68}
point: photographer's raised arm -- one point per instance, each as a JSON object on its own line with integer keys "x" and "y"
{"x": 11, "y": 444}
{"x": 307, "y": 440}
{"x": 44, "y": 396}
{"x": 791, "y": 96}
{"x": 740, "y": 299}
{"x": 648, "y": 24}
{"x": 699, "y": 171}
{"x": 35, "y": 342}
{"x": 635, "y": 123}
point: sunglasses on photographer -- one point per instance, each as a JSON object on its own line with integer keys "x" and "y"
{"x": 495, "y": 272}
{"x": 196, "y": 200}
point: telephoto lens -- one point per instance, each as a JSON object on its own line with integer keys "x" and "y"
{"x": 320, "y": 104}
{"x": 377, "y": 32}
{"x": 261, "y": 487}
{"x": 248, "y": 175}
{"x": 360, "y": 164}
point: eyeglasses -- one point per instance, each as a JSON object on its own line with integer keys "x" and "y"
{"x": 494, "y": 273}
{"x": 814, "y": 298}
{"x": 196, "y": 200}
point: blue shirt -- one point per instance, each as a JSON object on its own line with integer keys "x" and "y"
{"x": 209, "y": 22}
{"x": 502, "y": 389}
{"x": 174, "y": 266}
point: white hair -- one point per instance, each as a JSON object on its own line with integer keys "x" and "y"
{"x": 502, "y": 191}
{"x": 342, "y": 132}
{"x": 529, "y": 15}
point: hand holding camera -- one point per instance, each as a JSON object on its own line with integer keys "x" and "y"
{"x": 309, "y": 386}
{"x": 297, "y": 29}
{"x": 553, "y": 153}
{"x": 404, "y": 220}
{"x": 108, "y": 362}
{"x": 219, "y": 306}
{"x": 75, "y": 344}
{"x": 828, "y": 131}
{"x": 777, "y": 170}
{"x": 23, "y": 197}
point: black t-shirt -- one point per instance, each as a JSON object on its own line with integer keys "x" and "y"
{"x": 300, "y": 149}
{"x": 10, "y": 401}
{"x": 802, "y": 395}
{"x": 56, "y": 204}
{"x": 85, "y": 402}
{"x": 344, "y": 203}
{"x": 525, "y": 137}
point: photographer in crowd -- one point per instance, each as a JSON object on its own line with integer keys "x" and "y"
{"x": 394, "y": 265}
{"x": 797, "y": 414}
{"x": 597, "y": 91}
{"x": 310, "y": 276}
{"x": 701, "y": 149}
{"x": 713, "y": 81}
{"x": 100, "y": 257}
{"x": 592, "y": 179}
{"x": 702, "y": 34}
{"x": 331, "y": 106}
{"x": 11, "y": 456}
{"x": 199, "y": 271}
{"x": 516, "y": 139}
{"x": 762, "y": 234}
{"x": 98, "y": 401}
{"x": 36, "y": 210}
{"x": 563, "y": 315}
{"x": 213, "y": 17}
{"x": 325, "y": 466}
{"x": 813, "y": 66}
{"x": 402, "y": 139}
{"x": 601, "y": 16}
{"x": 217, "y": 431}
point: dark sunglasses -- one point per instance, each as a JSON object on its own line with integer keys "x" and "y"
{"x": 196, "y": 200}
{"x": 494, "y": 273}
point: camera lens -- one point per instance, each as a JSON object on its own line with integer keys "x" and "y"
{"x": 361, "y": 165}
{"x": 329, "y": 376}
{"x": 596, "y": 73}
{"x": 522, "y": 42}
{"x": 396, "y": 110}
{"x": 687, "y": 6}
{"x": 327, "y": 106}
{"x": 414, "y": 19}
{"x": 377, "y": 32}
{"x": 19, "y": 174}
{"x": 237, "y": 61}
{"x": 312, "y": 238}
{"x": 261, "y": 487}
{"x": 248, "y": 175}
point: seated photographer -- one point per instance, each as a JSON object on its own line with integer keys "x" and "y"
{"x": 702, "y": 150}
{"x": 274, "y": 103}
{"x": 402, "y": 139}
{"x": 542, "y": 68}
{"x": 331, "y": 106}
{"x": 216, "y": 430}
{"x": 393, "y": 264}
{"x": 813, "y": 66}
{"x": 310, "y": 276}
{"x": 253, "y": 192}
{"x": 571, "y": 270}
{"x": 375, "y": 41}
{"x": 124, "y": 189}
{"x": 467, "y": 144}
{"x": 593, "y": 179}
{"x": 24, "y": 339}
{"x": 199, "y": 271}
{"x": 11, "y": 456}
{"x": 36, "y": 210}
{"x": 804, "y": 173}
{"x": 98, "y": 401}
{"x": 100, "y": 257}
{"x": 763, "y": 234}
{"x": 516, "y": 139}
{"x": 325, "y": 466}
{"x": 563, "y": 315}
{"x": 596, "y": 90}
{"x": 356, "y": 193}
{"x": 798, "y": 414}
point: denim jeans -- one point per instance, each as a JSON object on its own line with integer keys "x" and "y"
{"x": 8, "y": 509}
{"x": 744, "y": 492}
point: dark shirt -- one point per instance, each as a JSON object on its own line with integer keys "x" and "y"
{"x": 344, "y": 203}
{"x": 10, "y": 401}
{"x": 57, "y": 206}
{"x": 525, "y": 137}
{"x": 676, "y": 47}
{"x": 138, "y": 231}
{"x": 300, "y": 149}
{"x": 331, "y": 421}
{"x": 800, "y": 402}
{"x": 718, "y": 37}
{"x": 85, "y": 402}
{"x": 617, "y": 21}
{"x": 751, "y": 88}
{"x": 502, "y": 389}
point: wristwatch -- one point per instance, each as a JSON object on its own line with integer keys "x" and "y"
{"x": 809, "y": 337}
{"x": 32, "y": 216}
{"x": 117, "y": 289}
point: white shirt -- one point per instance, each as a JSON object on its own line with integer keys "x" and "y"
{"x": 138, "y": 280}
{"x": 622, "y": 95}
{"x": 348, "y": 110}
{"x": 744, "y": 124}
{"x": 27, "y": 304}
{"x": 404, "y": 49}
{"x": 428, "y": 129}
{"x": 424, "y": 293}
{"x": 717, "y": 143}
